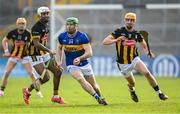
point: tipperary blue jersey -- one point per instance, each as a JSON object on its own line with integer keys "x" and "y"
{"x": 73, "y": 46}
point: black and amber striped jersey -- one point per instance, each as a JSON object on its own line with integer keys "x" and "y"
{"x": 41, "y": 31}
{"x": 19, "y": 43}
{"x": 126, "y": 48}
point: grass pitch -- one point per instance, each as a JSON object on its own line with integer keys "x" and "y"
{"x": 114, "y": 89}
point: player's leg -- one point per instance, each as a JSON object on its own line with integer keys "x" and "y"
{"x": 141, "y": 67}
{"x": 57, "y": 72}
{"x": 126, "y": 70}
{"x": 94, "y": 84}
{"x": 131, "y": 85}
{"x": 92, "y": 81}
{"x": 44, "y": 76}
{"x": 42, "y": 71}
{"x": 78, "y": 75}
{"x": 27, "y": 65}
{"x": 89, "y": 76}
{"x": 9, "y": 67}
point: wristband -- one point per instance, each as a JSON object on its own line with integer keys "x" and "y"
{"x": 6, "y": 50}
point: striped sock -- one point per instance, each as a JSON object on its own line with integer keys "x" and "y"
{"x": 96, "y": 96}
{"x": 156, "y": 88}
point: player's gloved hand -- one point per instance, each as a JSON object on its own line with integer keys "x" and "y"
{"x": 6, "y": 53}
{"x": 76, "y": 61}
{"x": 151, "y": 55}
{"x": 52, "y": 53}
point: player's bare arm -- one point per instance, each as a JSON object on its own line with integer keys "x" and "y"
{"x": 145, "y": 49}
{"x": 110, "y": 40}
{"x": 60, "y": 54}
{"x": 38, "y": 45}
{"x": 87, "y": 54}
{"x": 5, "y": 47}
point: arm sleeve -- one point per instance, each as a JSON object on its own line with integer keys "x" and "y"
{"x": 116, "y": 33}
{"x": 9, "y": 35}
{"x": 60, "y": 39}
{"x": 35, "y": 32}
{"x": 85, "y": 39}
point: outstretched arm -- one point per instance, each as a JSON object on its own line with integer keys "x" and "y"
{"x": 110, "y": 40}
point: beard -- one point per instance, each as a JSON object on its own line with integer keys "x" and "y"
{"x": 129, "y": 27}
{"x": 21, "y": 29}
{"x": 71, "y": 31}
{"x": 44, "y": 20}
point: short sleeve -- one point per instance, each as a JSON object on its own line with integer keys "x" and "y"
{"x": 140, "y": 38}
{"x": 116, "y": 33}
{"x": 35, "y": 32}
{"x": 85, "y": 39}
{"x": 9, "y": 35}
{"x": 60, "y": 39}
{"x": 28, "y": 35}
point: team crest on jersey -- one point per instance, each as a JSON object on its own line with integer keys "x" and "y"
{"x": 13, "y": 36}
{"x": 135, "y": 36}
{"x": 77, "y": 41}
{"x": 64, "y": 41}
{"x": 122, "y": 34}
{"x": 19, "y": 37}
{"x": 129, "y": 36}
{"x": 70, "y": 41}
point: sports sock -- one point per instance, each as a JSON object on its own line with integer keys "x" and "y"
{"x": 56, "y": 96}
{"x": 96, "y": 96}
{"x": 2, "y": 88}
{"x": 132, "y": 89}
{"x": 156, "y": 88}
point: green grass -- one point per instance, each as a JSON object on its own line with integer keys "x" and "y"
{"x": 114, "y": 90}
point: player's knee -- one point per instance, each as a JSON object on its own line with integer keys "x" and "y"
{"x": 80, "y": 79}
{"x": 57, "y": 72}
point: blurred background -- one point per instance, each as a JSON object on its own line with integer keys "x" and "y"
{"x": 98, "y": 19}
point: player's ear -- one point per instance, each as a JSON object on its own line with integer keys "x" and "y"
{"x": 76, "y": 25}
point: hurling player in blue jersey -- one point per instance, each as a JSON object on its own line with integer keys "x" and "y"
{"x": 77, "y": 49}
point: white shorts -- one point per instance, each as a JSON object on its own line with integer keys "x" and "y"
{"x": 126, "y": 69}
{"x": 24, "y": 60}
{"x": 35, "y": 60}
{"x": 86, "y": 70}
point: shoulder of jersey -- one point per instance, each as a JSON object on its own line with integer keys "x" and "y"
{"x": 81, "y": 33}
{"x": 37, "y": 24}
{"x": 27, "y": 30}
{"x": 122, "y": 28}
{"x": 63, "y": 33}
{"x": 13, "y": 31}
